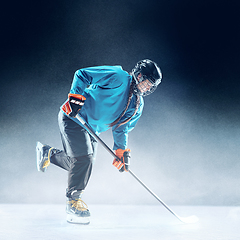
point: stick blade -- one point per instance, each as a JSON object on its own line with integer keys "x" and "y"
{"x": 190, "y": 219}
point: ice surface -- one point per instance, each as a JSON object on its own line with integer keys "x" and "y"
{"x": 190, "y": 219}
{"x": 48, "y": 222}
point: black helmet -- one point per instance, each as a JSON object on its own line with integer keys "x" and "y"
{"x": 149, "y": 71}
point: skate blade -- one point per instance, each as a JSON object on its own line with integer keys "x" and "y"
{"x": 78, "y": 220}
{"x": 38, "y": 156}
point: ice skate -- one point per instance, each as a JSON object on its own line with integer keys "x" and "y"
{"x": 77, "y": 210}
{"x": 43, "y": 156}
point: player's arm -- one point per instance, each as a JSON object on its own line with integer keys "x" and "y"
{"x": 120, "y": 136}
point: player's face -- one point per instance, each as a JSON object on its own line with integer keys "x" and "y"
{"x": 144, "y": 85}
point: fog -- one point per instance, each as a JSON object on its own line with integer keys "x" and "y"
{"x": 185, "y": 146}
{"x": 184, "y": 156}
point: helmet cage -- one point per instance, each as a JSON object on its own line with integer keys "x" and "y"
{"x": 138, "y": 90}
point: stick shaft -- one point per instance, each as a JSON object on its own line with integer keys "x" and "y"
{"x": 114, "y": 155}
{"x": 153, "y": 194}
{"x": 96, "y": 137}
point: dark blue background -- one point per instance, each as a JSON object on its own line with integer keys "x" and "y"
{"x": 192, "y": 121}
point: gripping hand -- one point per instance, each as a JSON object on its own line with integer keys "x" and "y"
{"x": 74, "y": 104}
{"x": 124, "y": 162}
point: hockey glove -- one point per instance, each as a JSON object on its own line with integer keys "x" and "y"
{"x": 74, "y": 104}
{"x": 124, "y": 162}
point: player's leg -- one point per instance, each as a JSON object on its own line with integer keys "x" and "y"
{"x": 79, "y": 147}
{"x": 47, "y": 155}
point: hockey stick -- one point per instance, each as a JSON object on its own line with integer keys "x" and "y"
{"x": 190, "y": 219}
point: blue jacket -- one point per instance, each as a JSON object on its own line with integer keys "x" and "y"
{"x": 106, "y": 90}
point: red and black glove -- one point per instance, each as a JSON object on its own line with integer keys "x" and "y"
{"x": 74, "y": 104}
{"x": 124, "y": 162}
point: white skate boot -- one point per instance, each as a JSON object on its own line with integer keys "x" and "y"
{"x": 77, "y": 210}
{"x": 43, "y": 156}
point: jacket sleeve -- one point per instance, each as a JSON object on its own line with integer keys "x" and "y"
{"x": 120, "y": 134}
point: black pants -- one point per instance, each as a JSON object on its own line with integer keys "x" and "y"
{"x": 79, "y": 153}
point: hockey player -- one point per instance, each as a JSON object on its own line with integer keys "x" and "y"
{"x": 105, "y": 97}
